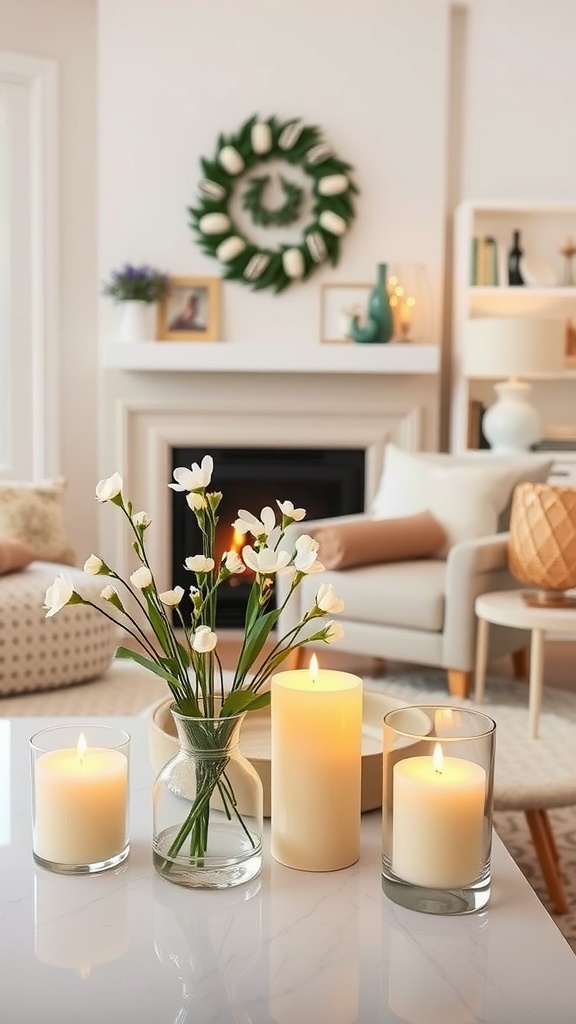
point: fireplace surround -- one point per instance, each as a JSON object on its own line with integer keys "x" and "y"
{"x": 209, "y": 412}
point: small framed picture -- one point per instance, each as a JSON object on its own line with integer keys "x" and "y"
{"x": 338, "y": 304}
{"x": 190, "y": 311}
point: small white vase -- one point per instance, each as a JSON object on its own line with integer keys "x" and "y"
{"x": 135, "y": 322}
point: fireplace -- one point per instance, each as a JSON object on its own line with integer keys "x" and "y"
{"x": 324, "y": 481}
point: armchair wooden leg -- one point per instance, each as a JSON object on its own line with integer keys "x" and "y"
{"x": 543, "y": 839}
{"x": 459, "y": 682}
{"x": 521, "y": 663}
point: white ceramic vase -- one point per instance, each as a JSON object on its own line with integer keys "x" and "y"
{"x": 135, "y": 321}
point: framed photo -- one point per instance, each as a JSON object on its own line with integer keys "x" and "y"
{"x": 191, "y": 310}
{"x": 338, "y": 303}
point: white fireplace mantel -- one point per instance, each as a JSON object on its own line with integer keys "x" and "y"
{"x": 224, "y": 357}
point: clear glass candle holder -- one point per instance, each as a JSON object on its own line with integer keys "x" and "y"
{"x": 437, "y": 807}
{"x": 79, "y": 777}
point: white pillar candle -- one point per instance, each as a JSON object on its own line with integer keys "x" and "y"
{"x": 316, "y": 738}
{"x": 437, "y": 820}
{"x": 80, "y": 805}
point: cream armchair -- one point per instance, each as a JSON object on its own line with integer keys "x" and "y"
{"x": 422, "y": 610}
{"x": 418, "y": 611}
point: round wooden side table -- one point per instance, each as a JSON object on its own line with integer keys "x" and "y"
{"x": 508, "y": 608}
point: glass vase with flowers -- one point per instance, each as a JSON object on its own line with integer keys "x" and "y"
{"x": 207, "y": 809}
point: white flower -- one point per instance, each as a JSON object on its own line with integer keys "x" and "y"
{"x": 287, "y": 509}
{"x": 141, "y": 519}
{"x": 109, "y": 488}
{"x": 199, "y": 476}
{"x": 172, "y": 597}
{"x": 232, "y": 562}
{"x": 305, "y": 559}
{"x": 204, "y": 640}
{"x": 199, "y": 563}
{"x": 196, "y": 501}
{"x": 108, "y": 592}
{"x": 247, "y": 523}
{"x": 141, "y": 578}
{"x": 327, "y": 599}
{"x": 266, "y": 561}
{"x": 334, "y": 631}
{"x": 93, "y": 565}
{"x": 58, "y": 594}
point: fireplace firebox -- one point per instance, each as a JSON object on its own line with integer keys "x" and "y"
{"x": 326, "y": 482}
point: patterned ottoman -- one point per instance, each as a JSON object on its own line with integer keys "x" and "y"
{"x": 37, "y": 653}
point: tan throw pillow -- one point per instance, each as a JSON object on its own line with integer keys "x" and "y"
{"x": 14, "y": 555}
{"x": 34, "y": 514}
{"x": 369, "y": 541}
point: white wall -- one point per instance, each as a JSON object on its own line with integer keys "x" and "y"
{"x": 173, "y": 75}
{"x": 65, "y": 31}
{"x": 519, "y": 135}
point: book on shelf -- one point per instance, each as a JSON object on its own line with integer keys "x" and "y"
{"x": 486, "y": 262}
{"x": 475, "y": 435}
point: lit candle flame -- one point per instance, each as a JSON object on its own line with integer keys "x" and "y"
{"x": 237, "y": 541}
{"x": 313, "y": 668}
{"x": 82, "y": 747}
{"x": 438, "y": 759}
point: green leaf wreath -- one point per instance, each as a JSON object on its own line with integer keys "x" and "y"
{"x": 332, "y": 187}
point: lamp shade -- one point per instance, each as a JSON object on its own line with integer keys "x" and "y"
{"x": 525, "y": 347}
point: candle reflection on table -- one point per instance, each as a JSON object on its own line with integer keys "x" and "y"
{"x": 73, "y": 929}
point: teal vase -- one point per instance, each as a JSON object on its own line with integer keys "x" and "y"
{"x": 378, "y": 327}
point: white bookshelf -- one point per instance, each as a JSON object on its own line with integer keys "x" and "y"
{"x": 544, "y": 228}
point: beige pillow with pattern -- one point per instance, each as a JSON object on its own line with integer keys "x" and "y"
{"x": 34, "y": 514}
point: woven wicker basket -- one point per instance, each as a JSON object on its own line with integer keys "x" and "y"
{"x": 542, "y": 545}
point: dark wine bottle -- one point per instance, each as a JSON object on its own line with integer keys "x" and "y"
{"x": 514, "y": 258}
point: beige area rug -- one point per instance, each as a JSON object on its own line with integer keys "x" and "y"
{"x": 559, "y": 708}
{"x": 128, "y": 689}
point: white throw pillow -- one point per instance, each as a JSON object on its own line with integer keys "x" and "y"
{"x": 467, "y": 494}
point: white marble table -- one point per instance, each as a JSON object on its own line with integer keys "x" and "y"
{"x": 126, "y": 947}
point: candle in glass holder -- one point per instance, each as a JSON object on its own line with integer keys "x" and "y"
{"x": 80, "y": 796}
{"x": 438, "y": 825}
{"x": 316, "y": 734}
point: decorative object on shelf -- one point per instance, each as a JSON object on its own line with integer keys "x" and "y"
{"x": 378, "y": 326}
{"x": 190, "y": 310}
{"x": 568, "y": 251}
{"x": 410, "y": 301}
{"x": 339, "y": 304}
{"x": 188, "y": 850}
{"x": 137, "y": 288}
{"x": 437, "y": 807}
{"x": 542, "y": 544}
{"x": 513, "y": 347}
{"x": 258, "y": 141}
{"x": 537, "y": 273}
{"x": 315, "y": 768}
{"x": 514, "y": 260}
{"x": 80, "y": 798}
